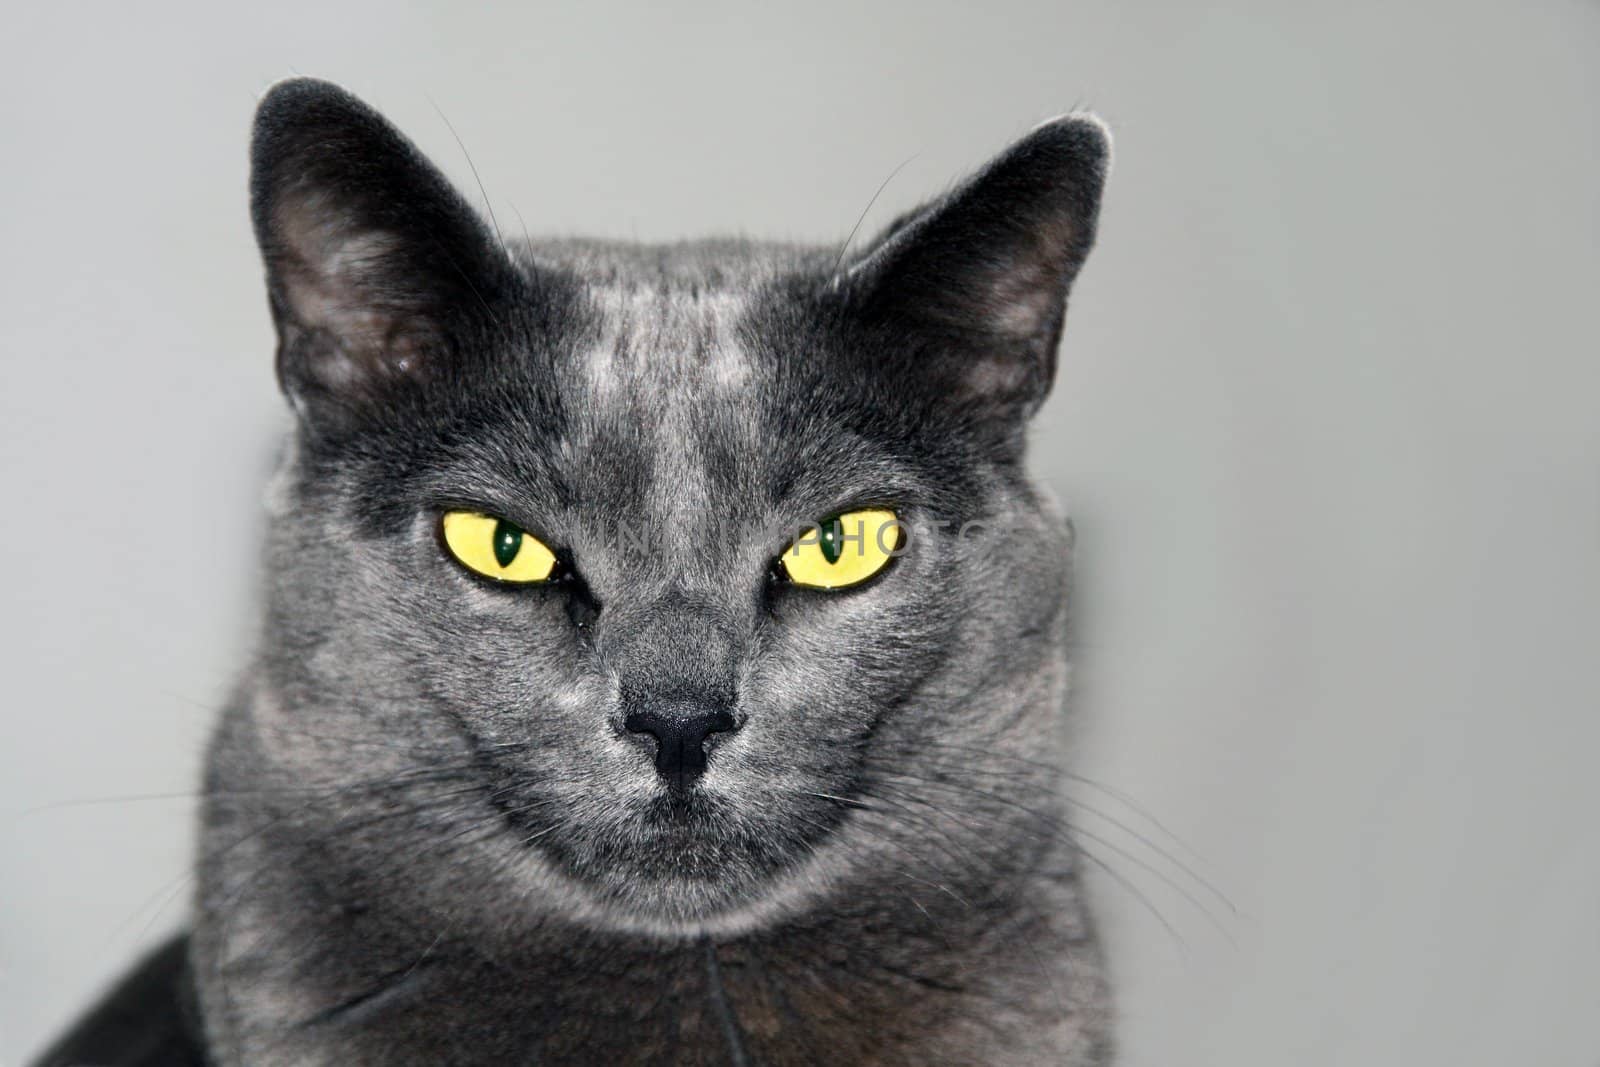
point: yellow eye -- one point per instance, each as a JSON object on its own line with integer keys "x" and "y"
{"x": 845, "y": 550}
{"x": 497, "y": 549}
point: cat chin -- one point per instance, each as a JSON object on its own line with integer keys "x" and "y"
{"x": 695, "y": 890}
{"x": 690, "y": 910}
{"x": 719, "y": 901}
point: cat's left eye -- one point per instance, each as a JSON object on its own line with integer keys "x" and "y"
{"x": 496, "y": 548}
{"x": 843, "y": 551}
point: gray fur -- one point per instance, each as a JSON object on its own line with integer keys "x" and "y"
{"x": 429, "y": 840}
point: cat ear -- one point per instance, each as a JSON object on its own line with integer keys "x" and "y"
{"x": 977, "y": 281}
{"x": 374, "y": 262}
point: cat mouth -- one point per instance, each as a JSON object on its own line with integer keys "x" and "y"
{"x": 676, "y": 811}
{"x": 680, "y": 855}
{"x": 693, "y": 819}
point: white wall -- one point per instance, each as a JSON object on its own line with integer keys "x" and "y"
{"x": 1327, "y": 421}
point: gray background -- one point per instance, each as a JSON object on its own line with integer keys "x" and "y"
{"x": 1326, "y": 419}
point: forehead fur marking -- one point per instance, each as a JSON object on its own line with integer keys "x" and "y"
{"x": 669, "y": 352}
{"x": 662, "y": 338}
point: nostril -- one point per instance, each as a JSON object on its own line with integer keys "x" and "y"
{"x": 680, "y": 734}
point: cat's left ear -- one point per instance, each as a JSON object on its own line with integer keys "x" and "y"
{"x": 976, "y": 282}
{"x": 377, "y": 269}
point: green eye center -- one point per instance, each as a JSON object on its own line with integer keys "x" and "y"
{"x": 830, "y": 539}
{"x": 494, "y": 548}
{"x": 507, "y": 542}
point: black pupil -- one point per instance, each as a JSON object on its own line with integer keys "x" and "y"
{"x": 831, "y": 540}
{"x": 507, "y": 542}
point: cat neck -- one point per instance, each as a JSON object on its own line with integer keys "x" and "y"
{"x": 871, "y": 986}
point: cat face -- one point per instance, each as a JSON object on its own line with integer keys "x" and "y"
{"x": 567, "y": 526}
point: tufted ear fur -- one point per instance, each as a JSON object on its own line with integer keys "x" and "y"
{"x": 376, "y": 267}
{"x": 979, "y": 278}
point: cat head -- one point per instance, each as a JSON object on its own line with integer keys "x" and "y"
{"x": 703, "y": 580}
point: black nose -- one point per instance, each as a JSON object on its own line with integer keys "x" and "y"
{"x": 680, "y": 731}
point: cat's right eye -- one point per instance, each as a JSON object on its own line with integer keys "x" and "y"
{"x": 495, "y": 548}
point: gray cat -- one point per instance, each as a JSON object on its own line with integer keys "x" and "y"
{"x": 665, "y": 646}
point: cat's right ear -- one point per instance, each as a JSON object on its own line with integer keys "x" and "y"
{"x": 376, "y": 267}
{"x": 973, "y": 287}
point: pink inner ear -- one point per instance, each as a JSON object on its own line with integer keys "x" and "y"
{"x": 1027, "y": 287}
{"x": 332, "y": 279}
{"x": 331, "y": 268}
{"x": 1022, "y": 303}
{"x": 998, "y": 376}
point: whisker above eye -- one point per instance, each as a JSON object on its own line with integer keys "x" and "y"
{"x": 846, "y": 801}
